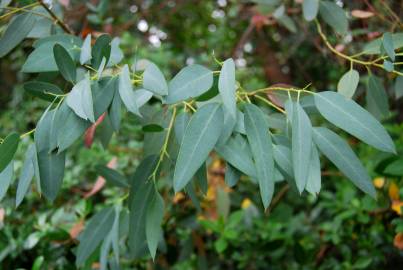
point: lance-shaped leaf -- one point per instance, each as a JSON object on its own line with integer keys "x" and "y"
{"x": 126, "y": 91}
{"x": 199, "y": 139}
{"x": 398, "y": 87}
{"x": 314, "y": 177}
{"x": 102, "y": 94}
{"x": 387, "y": 44}
{"x": 334, "y": 16}
{"x": 6, "y": 176}
{"x": 8, "y": 149}
{"x": 112, "y": 176}
{"x": 257, "y": 132}
{"x": 340, "y": 153}
{"x": 42, "y": 90}
{"x": 191, "y": 81}
{"x": 154, "y": 216}
{"x": 51, "y": 171}
{"x": 226, "y": 86}
{"x": 376, "y": 98}
{"x": 96, "y": 230}
{"x": 301, "y": 145}
{"x": 310, "y": 9}
{"x": 27, "y": 173}
{"x": 85, "y": 54}
{"x": 115, "y": 110}
{"x": 80, "y": 99}
{"x": 180, "y": 125}
{"x": 232, "y": 175}
{"x": 283, "y": 158}
{"x": 348, "y": 83}
{"x": 16, "y": 31}
{"x": 349, "y": 116}
{"x": 154, "y": 80}
{"x": 65, "y": 63}
{"x": 101, "y": 49}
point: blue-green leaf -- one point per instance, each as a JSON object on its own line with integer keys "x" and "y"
{"x": 310, "y": 9}
{"x": 314, "y": 177}
{"x": 85, "y": 54}
{"x": 348, "y": 83}
{"x": 232, "y": 175}
{"x": 334, "y": 16}
{"x": 126, "y": 91}
{"x": 398, "y": 87}
{"x": 340, "y": 153}
{"x": 154, "y": 216}
{"x": 27, "y": 173}
{"x": 43, "y": 90}
{"x": 101, "y": 49}
{"x": 349, "y": 116}
{"x": 226, "y": 86}
{"x": 376, "y": 98}
{"x": 64, "y": 63}
{"x": 387, "y": 43}
{"x": 80, "y": 99}
{"x": 6, "y": 176}
{"x": 154, "y": 80}
{"x": 8, "y": 149}
{"x": 112, "y": 176}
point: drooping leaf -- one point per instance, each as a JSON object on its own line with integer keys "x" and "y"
{"x": 154, "y": 216}
{"x": 340, "y": 153}
{"x": 226, "y": 86}
{"x": 349, "y": 116}
{"x": 64, "y": 63}
{"x": 154, "y": 80}
{"x": 398, "y": 87}
{"x": 41, "y": 89}
{"x": 376, "y": 98}
{"x": 85, "y": 54}
{"x": 115, "y": 110}
{"x": 334, "y": 16}
{"x": 6, "y": 176}
{"x": 387, "y": 44}
{"x": 27, "y": 173}
{"x": 96, "y": 230}
{"x": 191, "y": 81}
{"x": 80, "y": 100}
{"x": 112, "y": 176}
{"x": 310, "y": 9}
{"x": 180, "y": 125}
{"x": 228, "y": 127}
{"x": 201, "y": 178}
{"x": 101, "y": 49}
{"x": 314, "y": 177}
{"x": 283, "y": 158}
{"x": 200, "y": 137}
{"x": 257, "y": 132}
{"x": 301, "y": 145}
{"x": 16, "y": 31}
{"x": 102, "y": 94}
{"x": 348, "y": 83}
{"x": 240, "y": 122}
{"x": 8, "y": 149}
{"x": 232, "y": 175}
{"x": 126, "y": 91}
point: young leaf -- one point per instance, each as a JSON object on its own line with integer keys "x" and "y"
{"x": 80, "y": 99}
{"x": 126, "y": 91}
{"x": 334, "y": 16}
{"x": 154, "y": 80}
{"x": 310, "y": 9}
{"x": 349, "y": 116}
{"x": 314, "y": 177}
{"x": 8, "y": 149}
{"x": 340, "y": 153}
{"x": 16, "y": 31}
{"x": 301, "y": 145}
{"x": 191, "y": 81}
{"x": 257, "y": 132}
{"x": 112, "y": 176}
{"x": 348, "y": 83}
{"x": 96, "y": 230}
{"x": 226, "y": 86}
{"x": 6, "y": 176}
{"x": 101, "y": 49}
{"x": 41, "y": 90}
{"x": 154, "y": 216}
{"x": 232, "y": 175}
{"x": 376, "y": 98}
{"x": 387, "y": 43}
{"x": 85, "y": 54}
{"x": 64, "y": 63}
{"x": 199, "y": 139}
{"x": 27, "y": 173}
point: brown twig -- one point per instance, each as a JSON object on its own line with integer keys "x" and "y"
{"x": 64, "y": 26}
{"x": 278, "y": 197}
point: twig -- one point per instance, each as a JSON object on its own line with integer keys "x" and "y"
{"x": 64, "y": 26}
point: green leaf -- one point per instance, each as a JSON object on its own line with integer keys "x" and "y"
{"x": 154, "y": 80}
{"x": 154, "y": 217}
{"x": 257, "y": 132}
{"x": 6, "y": 176}
{"x": 283, "y": 158}
{"x": 226, "y": 86}
{"x": 102, "y": 94}
{"x": 190, "y": 82}
{"x": 80, "y": 99}
{"x": 8, "y": 149}
{"x": 101, "y": 49}
{"x": 65, "y": 63}
{"x": 96, "y": 230}
{"x": 126, "y": 91}
{"x": 348, "y": 83}
{"x": 85, "y": 54}
{"x": 314, "y": 177}
{"x": 334, "y": 16}
{"x": 387, "y": 43}
{"x": 349, "y": 116}
{"x": 398, "y": 87}
{"x": 152, "y": 128}
{"x": 376, "y": 98}
{"x": 40, "y": 89}
{"x": 395, "y": 168}
{"x": 340, "y": 153}
{"x": 112, "y": 176}
{"x": 301, "y": 145}
{"x": 27, "y": 173}
{"x": 16, "y": 31}
{"x": 232, "y": 175}
{"x": 199, "y": 139}
{"x": 310, "y": 9}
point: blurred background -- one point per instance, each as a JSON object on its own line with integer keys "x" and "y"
{"x": 269, "y": 40}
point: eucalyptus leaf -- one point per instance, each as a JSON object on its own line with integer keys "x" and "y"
{"x": 313, "y": 183}
{"x": 27, "y": 173}
{"x": 8, "y": 149}
{"x": 310, "y": 9}
{"x": 101, "y": 49}
{"x": 80, "y": 100}
{"x": 112, "y": 176}
{"x": 154, "y": 80}
{"x": 232, "y": 175}
{"x": 398, "y": 87}
{"x": 387, "y": 44}
{"x": 126, "y": 91}
{"x": 64, "y": 63}
{"x": 43, "y": 90}
{"x": 334, "y": 16}
{"x": 376, "y": 98}
{"x": 85, "y": 54}
{"x": 154, "y": 216}
{"x": 348, "y": 83}
{"x": 6, "y": 176}
{"x": 226, "y": 86}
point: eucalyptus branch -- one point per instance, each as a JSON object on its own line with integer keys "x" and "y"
{"x": 270, "y": 103}
{"x": 16, "y": 10}
{"x": 64, "y": 26}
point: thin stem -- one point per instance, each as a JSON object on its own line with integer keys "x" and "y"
{"x": 64, "y": 26}
{"x": 27, "y": 133}
{"x": 16, "y": 10}
{"x": 270, "y": 104}
{"x": 187, "y": 104}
